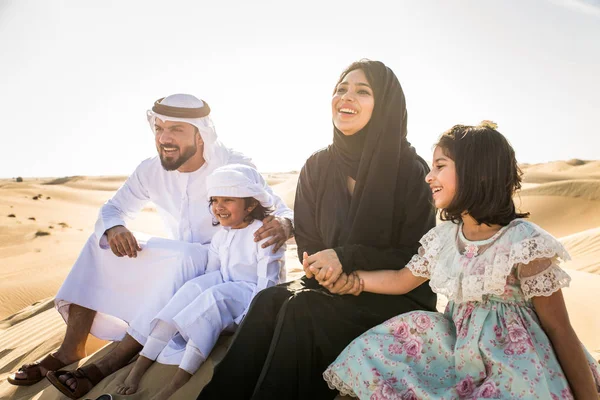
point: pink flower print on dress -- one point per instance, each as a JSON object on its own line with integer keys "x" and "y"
{"x": 518, "y": 339}
{"x": 498, "y": 332}
{"x": 395, "y": 348}
{"x": 566, "y": 394}
{"x": 385, "y": 391}
{"x": 409, "y": 394}
{"x": 471, "y": 250}
{"x": 413, "y": 347}
{"x": 465, "y": 387}
{"x": 488, "y": 390}
{"x": 422, "y": 322}
{"x": 461, "y": 328}
{"x": 402, "y": 331}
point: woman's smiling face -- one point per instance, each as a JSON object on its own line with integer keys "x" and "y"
{"x": 352, "y": 103}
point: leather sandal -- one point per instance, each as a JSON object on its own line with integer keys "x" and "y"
{"x": 87, "y": 377}
{"x": 33, "y": 371}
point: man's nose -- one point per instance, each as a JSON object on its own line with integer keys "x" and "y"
{"x": 165, "y": 137}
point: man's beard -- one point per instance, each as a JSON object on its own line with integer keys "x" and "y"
{"x": 173, "y": 164}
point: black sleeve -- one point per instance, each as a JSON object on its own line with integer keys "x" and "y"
{"x": 308, "y": 237}
{"x": 419, "y": 218}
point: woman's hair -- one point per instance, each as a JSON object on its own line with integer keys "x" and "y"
{"x": 487, "y": 174}
{"x": 260, "y": 212}
{"x": 364, "y": 65}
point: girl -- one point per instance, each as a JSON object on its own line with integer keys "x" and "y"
{"x": 237, "y": 269}
{"x": 505, "y": 332}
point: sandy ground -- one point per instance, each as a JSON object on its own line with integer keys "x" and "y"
{"x": 45, "y": 222}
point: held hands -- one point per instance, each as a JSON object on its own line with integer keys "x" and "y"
{"x": 326, "y": 268}
{"x": 277, "y": 228}
{"x": 122, "y": 242}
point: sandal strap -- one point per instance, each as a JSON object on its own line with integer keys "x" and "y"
{"x": 49, "y": 362}
{"x": 90, "y": 372}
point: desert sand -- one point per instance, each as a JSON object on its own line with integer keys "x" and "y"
{"x": 45, "y": 222}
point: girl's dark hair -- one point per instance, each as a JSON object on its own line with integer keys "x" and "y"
{"x": 487, "y": 174}
{"x": 260, "y": 212}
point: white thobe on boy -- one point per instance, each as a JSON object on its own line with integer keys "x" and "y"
{"x": 237, "y": 269}
{"x": 123, "y": 290}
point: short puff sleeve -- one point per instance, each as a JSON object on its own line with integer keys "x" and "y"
{"x": 537, "y": 257}
{"x": 422, "y": 263}
{"x": 542, "y": 277}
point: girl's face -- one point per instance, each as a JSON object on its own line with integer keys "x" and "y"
{"x": 230, "y": 211}
{"x": 442, "y": 179}
{"x": 352, "y": 103}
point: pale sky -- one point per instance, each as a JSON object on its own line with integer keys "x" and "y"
{"x": 76, "y": 77}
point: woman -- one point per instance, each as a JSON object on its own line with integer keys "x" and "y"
{"x": 361, "y": 204}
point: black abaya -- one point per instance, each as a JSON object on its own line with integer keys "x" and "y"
{"x": 293, "y": 331}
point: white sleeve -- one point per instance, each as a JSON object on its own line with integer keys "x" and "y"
{"x": 269, "y": 266}
{"x": 126, "y": 203}
{"x": 281, "y": 209}
{"x": 214, "y": 262}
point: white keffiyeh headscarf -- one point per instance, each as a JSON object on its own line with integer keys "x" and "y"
{"x": 237, "y": 180}
{"x": 178, "y": 107}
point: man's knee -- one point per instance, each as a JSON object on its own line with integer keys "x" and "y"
{"x": 77, "y": 312}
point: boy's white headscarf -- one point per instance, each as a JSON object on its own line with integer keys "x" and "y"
{"x": 190, "y": 109}
{"x": 237, "y": 180}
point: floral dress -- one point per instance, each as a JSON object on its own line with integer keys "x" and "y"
{"x": 488, "y": 343}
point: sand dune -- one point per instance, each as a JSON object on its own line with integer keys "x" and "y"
{"x": 561, "y": 170}
{"x": 588, "y": 189}
{"x": 44, "y": 223}
{"x": 584, "y": 248}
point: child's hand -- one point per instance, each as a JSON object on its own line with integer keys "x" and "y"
{"x": 347, "y": 284}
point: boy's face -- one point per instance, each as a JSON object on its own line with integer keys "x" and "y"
{"x": 230, "y": 211}
{"x": 442, "y": 179}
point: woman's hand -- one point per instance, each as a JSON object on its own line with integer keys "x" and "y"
{"x": 325, "y": 266}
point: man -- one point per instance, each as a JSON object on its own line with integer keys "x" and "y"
{"x": 117, "y": 285}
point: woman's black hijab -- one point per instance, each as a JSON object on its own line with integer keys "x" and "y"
{"x": 372, "y": 157}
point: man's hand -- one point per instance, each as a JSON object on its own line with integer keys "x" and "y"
{"x": 325, "y": 266}
{"x": 122, "y": 242}
{"x": 347, "y": 284}
{"x": 278, "y": 229}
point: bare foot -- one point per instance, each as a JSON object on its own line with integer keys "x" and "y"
{"x": 181, "y": 378}
{"x": 130, "y": 386}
